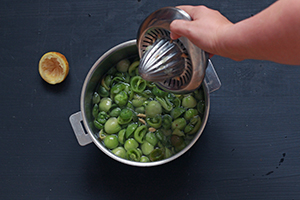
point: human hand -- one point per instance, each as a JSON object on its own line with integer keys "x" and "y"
{"x": 206, "y": 29}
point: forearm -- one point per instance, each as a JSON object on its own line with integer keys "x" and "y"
{"x": 273, "y": 34}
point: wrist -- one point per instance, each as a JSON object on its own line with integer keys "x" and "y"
{"x": 230, "y": 43}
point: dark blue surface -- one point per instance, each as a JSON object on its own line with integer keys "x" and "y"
{"x": 250, "y": 148}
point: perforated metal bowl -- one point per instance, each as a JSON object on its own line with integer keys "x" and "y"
{"x": 82, "y": 121}
{"x": 188, "y": 71}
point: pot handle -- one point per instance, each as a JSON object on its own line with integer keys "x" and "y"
{"x": 82, "y": 138}
{"x": 211, "y": 78}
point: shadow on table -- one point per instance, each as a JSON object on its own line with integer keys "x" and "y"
{"x": 110, "y": 179}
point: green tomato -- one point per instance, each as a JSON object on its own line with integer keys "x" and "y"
{"x": 105, "y": 104}
{"x": 177, "y": 112}
{"x": 130, "y": 129}
{"x": 189, "y": 101}
{"x": 151, "y": 138}
{"x": 121, "y": 98}
{"x": 147, "y": 94}
{"x": 158, "y": 92}
{"x": 112, "y": 70}
{"x": 144, "y": 159}
{"x": 95, "y": 110}
{"x": 201, "y": 106}
{"x": 167, "y": 132}
{"x": 140, "y": 109}
{"x": 123, "y": 65}
{"x": 176, "y": 140}
{"x": 138, "y": 84}
{"x": 168, "y": 153}
{"x": 179, "y": 123}
{"x": 98, "y": 125}
{"x": 101, "y": 134}
{"x": 199, "y": 94}
{"x": 166, "y": 121}
{"x": 115, "y": 112}
{"x": 188, "y": 128}
{"x": 126, "y": 114}
{"x": 129, "y": 105}
{"x": 134, "y": 155}
{"x": 112, "y": 126}
{"x": 178, "y": 132}
{"x": 137, "y": 102}
{"x": 165, "y": 103}
{"x": 137, "y": 96}
{"x": 139, "y": 133}
{"x": 140, "y": 151}
{"x": 153, "y": 108}
{"x": 147, "y": 148}
{"x": 156, "y": 154}
{"x": 193, "y": 126}
{"x": 151, "y": 84}
{"x": 121, "y": 136}
{"x": 176, "y": 102}
{"x": 102, "y": 117}
{"x": 180, "y": 147}
{"x": 118, "y": 87}
{"x": 96, "y": 98}
{"x": 160, "y": 135}
{"x": 111, "y": 141}
{"x": 103, "y": 92}
{"x": 105, "y": 82}
{"x": 119, "y": 151}
{"x": 155, "y": 122}
{"x": 189, "y": 114}
{"x": 131, "y": 143}
{"x": 133, "y": 67}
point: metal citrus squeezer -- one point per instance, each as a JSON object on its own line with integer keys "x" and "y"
{"x": 176, "y": 66}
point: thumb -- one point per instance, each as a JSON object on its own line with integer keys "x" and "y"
{"x": 180, "y": 28}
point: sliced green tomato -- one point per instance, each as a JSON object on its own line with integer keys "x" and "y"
{"x": 155, "y": 122}
{"x": 138, "y": 84}
{"x": 96, "y": 98}
{"x": 156, "y": 154}
{"x": 121, "y": 136}
{"x": 139, "y": 133}
{"x": 130, "y": 129}
{"x": 98, "y": 125}
{"x": 134, "y": 155}
{"x": 165, "y": 103}
{"x": 95, "y": 110}
{"x": 177, "y": 112}
{"x": 193, "y": 126}
{"x": 133, "y": 67}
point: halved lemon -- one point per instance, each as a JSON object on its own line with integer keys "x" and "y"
{"x": 53, "y": 67}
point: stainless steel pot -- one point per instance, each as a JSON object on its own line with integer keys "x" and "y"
{"x": 82, "y": 121}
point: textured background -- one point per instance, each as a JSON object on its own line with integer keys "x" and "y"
{"x": 249, "y": 149}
